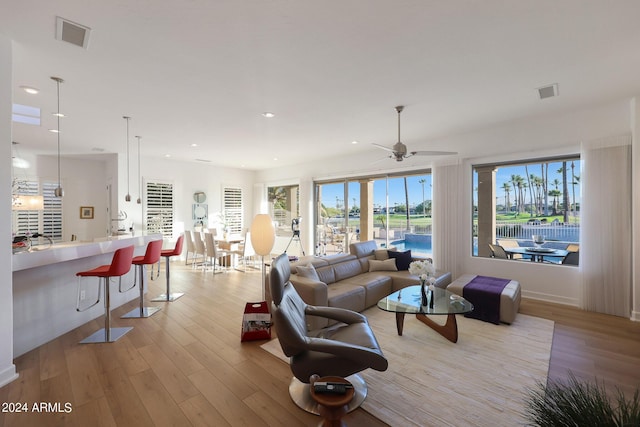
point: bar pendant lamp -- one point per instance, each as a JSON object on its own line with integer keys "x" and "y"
{"x": 127, "y": 198}
{"x": 263, "y": 236}
{"x": 58, "y": 191}
{"x": 139, "y": 201}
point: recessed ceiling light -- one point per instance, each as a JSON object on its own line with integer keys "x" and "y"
{"x": 275, "y": 158}
{"x": 354, "y": 142}
{"x": 268, "y": 115}
{"x": 54, "y": 130}
{"x": 30, "y": 90}
{"x": 194, "y": 145}
{"x": 58, "y": 114}
{"x": 167, "y": 155}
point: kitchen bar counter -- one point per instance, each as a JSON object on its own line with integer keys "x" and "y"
{"x": 45, "y": 287}
{"x": 67, "y": 251}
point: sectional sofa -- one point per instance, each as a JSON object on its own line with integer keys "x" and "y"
{"x": 354, "y": 281}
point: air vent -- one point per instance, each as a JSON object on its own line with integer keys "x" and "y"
{"x": 548, "y": 91}
{"x": 71, "y": 32}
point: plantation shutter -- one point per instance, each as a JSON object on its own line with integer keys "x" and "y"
{"x": 233, "y": 209}
{"x": 27, "y": 222}
{"x": 160, "y": 208}
{"x": 52, "y": 214}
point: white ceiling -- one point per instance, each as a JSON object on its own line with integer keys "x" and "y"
{"x": 203, "y": 71}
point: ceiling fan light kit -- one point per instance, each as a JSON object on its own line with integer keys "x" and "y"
{"x": 399, "y": 150}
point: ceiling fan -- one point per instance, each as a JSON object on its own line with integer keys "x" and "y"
{"x": 399, "y": 150}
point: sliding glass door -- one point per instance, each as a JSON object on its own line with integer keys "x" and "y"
{"x": 394, "y": 210}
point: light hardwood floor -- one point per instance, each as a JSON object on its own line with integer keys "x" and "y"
{"x": 186, "y": 364}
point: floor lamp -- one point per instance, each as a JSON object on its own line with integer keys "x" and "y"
{"x": 263, "y": 236}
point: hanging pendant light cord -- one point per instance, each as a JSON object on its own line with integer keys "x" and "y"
{"x": 58, "y": 135}
{"x": 139, "y": 180}
{"x": 128, "y": 196}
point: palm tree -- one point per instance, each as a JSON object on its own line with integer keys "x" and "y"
{"x": 530, "y": 178}
{"x": 545, "y": 185}
{"x": 565, "y": 191}
{"x": 507, "y": 203}
{"x": 575, "y": 179}
{"x": 555, "y": 194}
{"x": 423, "y": 181}
{"x": 406, "y": 196}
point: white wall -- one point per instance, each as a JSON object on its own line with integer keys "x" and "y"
{"x": 187, "y": 178}
{"x": 530, "y": 138}
{"x": 84, "y": 183}
{"x": 7, "y": 368}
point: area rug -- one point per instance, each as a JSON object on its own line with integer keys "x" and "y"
{"x": 481, "y": 380}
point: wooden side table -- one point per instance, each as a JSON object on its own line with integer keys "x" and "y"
{"x": 332, "y": 406}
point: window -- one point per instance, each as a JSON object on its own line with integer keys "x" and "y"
{"x": 513, "y": 202}
{"x": 48, "y": 221}
{"x": 52, "y": 214}
{"x": 160, "y": 208}
{"x": 232, "y": 205}
{"x": 395, "y": 210}
{"x": 284, "y": 204}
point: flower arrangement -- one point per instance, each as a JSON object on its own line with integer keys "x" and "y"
{"x": 424, "y": 270}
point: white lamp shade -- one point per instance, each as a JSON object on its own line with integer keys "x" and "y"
{"x": 263, "y": 234}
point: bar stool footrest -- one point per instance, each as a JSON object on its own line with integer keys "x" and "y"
{"x": 100, "y": 336}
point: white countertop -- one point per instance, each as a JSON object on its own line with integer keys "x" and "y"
{"x": 61, "y": 252}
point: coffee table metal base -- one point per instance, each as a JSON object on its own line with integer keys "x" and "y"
{"x": 449, "y": 330}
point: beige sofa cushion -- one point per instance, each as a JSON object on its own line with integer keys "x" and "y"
{"x": 346, "y": 295}
{"x": 344, "y": 270}
{"x": 386, "y": 265}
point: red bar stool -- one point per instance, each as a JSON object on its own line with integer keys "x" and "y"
{"x": 151, "y": 256}
{"x": 120, "y": 265}
{"x": 168, "y": 253}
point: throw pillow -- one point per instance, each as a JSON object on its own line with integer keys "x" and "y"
{"x": 381, "y": 254}
{"x": 386, "y": 265}
{"x": 403, "y": 259}
{"x": 308, "y": 271}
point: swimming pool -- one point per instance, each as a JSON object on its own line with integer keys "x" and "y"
{"x": 419, "y": 244}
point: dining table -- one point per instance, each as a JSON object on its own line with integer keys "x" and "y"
{"x": 538, "y": 254}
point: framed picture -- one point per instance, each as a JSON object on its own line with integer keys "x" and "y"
{"x": 86, "y": 212}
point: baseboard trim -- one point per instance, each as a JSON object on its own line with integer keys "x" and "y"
{"x": 540, "y": 296}
{"x": 8, "y": 374}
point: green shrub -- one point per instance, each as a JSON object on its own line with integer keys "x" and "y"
{"x": 580, "y": 404}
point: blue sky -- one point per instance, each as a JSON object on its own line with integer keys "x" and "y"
{"x": 331, "y": 192}
{"x": 396, "y": 191}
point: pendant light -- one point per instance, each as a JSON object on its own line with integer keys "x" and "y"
{"x": 139, "y": 201}
{"x": 127, "y": 198}
{"x": 58, "y": 191}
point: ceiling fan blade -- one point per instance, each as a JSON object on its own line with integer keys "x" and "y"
{"x": 433, "y": 153}
{"x": 382, "y": 146}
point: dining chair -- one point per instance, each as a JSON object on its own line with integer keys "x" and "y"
{"x": 200, "y": 250}
{"x": 508, "y": 243}
{"x": 191, "y": 247}
{"x": 213, "y": 253}
{"x": 245, "y": 251}
{"x": 572, "y": 258}
{"x": 498, "y": 251}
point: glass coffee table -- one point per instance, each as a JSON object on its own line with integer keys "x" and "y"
{"x": 408, "y": 300}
